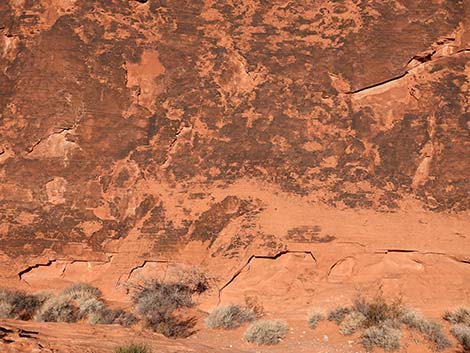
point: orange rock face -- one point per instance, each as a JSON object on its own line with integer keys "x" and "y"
{"x": 294, "y": 151}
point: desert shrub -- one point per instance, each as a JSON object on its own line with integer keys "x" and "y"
{"x": 18, "y": 305}
{"x": 112, "y": 316}
{"x": 314, "y": 318}
{"x": 378, "y": 320}
{"x": 459, "y": 316}
{"x": 194, "y": 280}
{"x": 81, "y": 291}
{"x": 460, "y": 319}
{"x": 157, "y": 302}
{"x": 175, "y": 326}
{"x": 352, "y": 323}
{"x": 338, "y": 314}
{"x": 432, "y": 331}
{"x": 378, "y": 310}
{"x": 120, "y": 317}
{"x": 462, "y": 333}
{"x": 133, "y": 348}
{"x": 167, "y": 296}
{"x": 267, "y": 332}
{"x": 382, "y": 336}
{"x": 79, "y": 302}
{"x": 381, "y": 323}
{"x": 229, "y": 316}
{"x": 412, "y": 319}
{"x": 90, "y": 306}
{"x": 58, "y": 309}
{"x": 434, "y": 334}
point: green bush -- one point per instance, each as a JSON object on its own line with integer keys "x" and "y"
{"x": 266, "y": 332}
{"x": 229, "y": 316}
{"x": 314, "y": 318}
{"x": 133, "y": 348}
{"x": 382, "y": 336}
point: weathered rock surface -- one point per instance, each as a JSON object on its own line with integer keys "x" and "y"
{"x": 321, "y": 145}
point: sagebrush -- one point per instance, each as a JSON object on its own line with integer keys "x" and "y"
{"x": 432, "y": 331}
{"x": 383, "y": 336}
{"x": 266, "y": 332}
{"x": 380, "y": 322}
{"x": 133, "y": 348}
{"x": 19, "y": 305}
{"x": 229, "y": 316}
{"x": 460, "y": 319}
{"x": 81, "y": 301}
{"x": 157, "y": 303}
{"x": 314, "y": 318}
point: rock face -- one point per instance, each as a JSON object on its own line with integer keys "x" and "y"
{"x": 213, "y": 133}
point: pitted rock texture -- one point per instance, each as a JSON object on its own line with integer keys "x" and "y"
{"x": 173, "y": 129}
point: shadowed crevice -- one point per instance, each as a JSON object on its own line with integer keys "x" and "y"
{"x": 253, "y": 257}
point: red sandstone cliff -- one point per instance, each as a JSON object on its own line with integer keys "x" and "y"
{"x": 292, "y": 150}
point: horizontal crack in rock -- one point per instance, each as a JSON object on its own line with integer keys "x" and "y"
{"x": 143, "y": 265}
{"x": 273, "y": 257}
{"x": 68, "y": 263}
{"x": 30, "y": 268}
{"x": 395, "y": 78}
{"x": 452, "y": 257}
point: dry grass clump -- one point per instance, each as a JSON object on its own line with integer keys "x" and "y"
{"x": 383, "y": 336}
{"x": 266, "y": 332}
{"x": 460, "y": 319}
{"x": 432, "y": 331}
{"x": 19, "y": 305}
{"x": 194, "y": 280}
{"x": 229, "y": 317}
{"x": 133, "y": 348}
{"x": 352, "y": 323}
{"x": 338, "y": 314}
{"x": 58, "y": 309}
{"x": 314, "y": 318}
{"x": 81, "y": 291}
{"x": 462, "y": 333}
{"x": 380, "y": 322}
{"x": 81, "y": 301}
{"x": 378, "y": 311}
{"x": 157, "y": 302}
{"x": 459, "y": 316}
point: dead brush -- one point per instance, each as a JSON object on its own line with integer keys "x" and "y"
{"x": 380, "y": 321}
{"x": 157, "y": 302}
